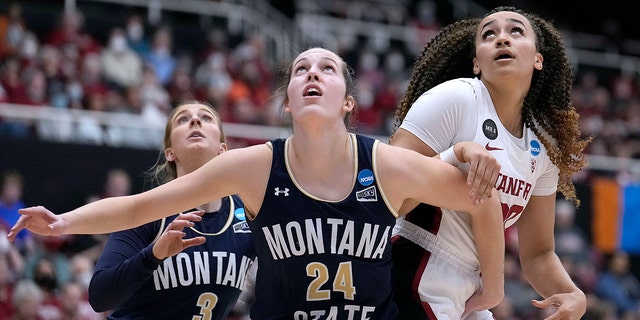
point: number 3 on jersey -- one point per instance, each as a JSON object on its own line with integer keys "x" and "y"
{"x": 207, "y": 301}
{"x": 342, "y": 282}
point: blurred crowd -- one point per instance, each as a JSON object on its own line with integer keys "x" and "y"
{"x": 138, "y": 70}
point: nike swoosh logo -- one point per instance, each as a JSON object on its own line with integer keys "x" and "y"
{"x": 490, "y": 148}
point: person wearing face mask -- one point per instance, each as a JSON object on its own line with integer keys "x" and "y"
{"x": 121, "y": 65}
{"x": 45, "y": 276}
{"x": 136, "y": 37}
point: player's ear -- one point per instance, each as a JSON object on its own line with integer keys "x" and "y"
{"x": 350, "y": 103}
{"x": 476, "y": 67}
{"x": 538, "y": 61}
{"x": 223, "y": 148}
{"x": 286, "y": 108}
{"x": 168, "y": 154}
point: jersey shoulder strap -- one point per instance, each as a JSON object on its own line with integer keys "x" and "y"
{"x": 163, "y": 221}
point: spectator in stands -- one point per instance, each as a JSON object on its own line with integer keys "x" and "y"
{"x": 138, "y": 132}
{"x": 631, "y": 118}
{"x": 570, "y": 239}
{"x": 11, "y": 268}
{"x": 217, "y": 43}
{"x": 70, "y": 34}
{"x": 12, "y": 29}
{"x": 136, "y": 34}
{"x": 91, "y": 76}
{"x": 250, "y": 90}
{"x": 13, "y": 91}
{"x": 50, "y": 62}
{"x": 368, "y": 117}
{"x": 11, "y": 189}
{"x": 516, "y": 288}
{"x": 88, "y": 128}
{"x": 369, "y": 68}
{"x": 213, "y": 80}
{"x": 395, "y": 64}
{"x": 35, "y": 83}
{"x": 623, "y": 87}
{"x": 248, "y": 96}
{"x": 154, "y": 96}
{"x": 24, "y": 85}
{"x": 10, "y": 79}
{"x": 620, "y": 287}
{"x": 424, "y": 23}
{"x": 28, "y": 50}
{"x": 181, "y": 87}
{"x": 27, "y": 299}
{"x": 81, "y": 269}
{"x": 6, "y": 288}
{"x": 122, "y": 66}
{"x": 74, "y": 304}
{"x": 161, "y": 57}
{"x": 386, "y": 102}
{"x": 117, "y": 182}
{"x": 47, "y": 278}
{"x": 589, "y": 96}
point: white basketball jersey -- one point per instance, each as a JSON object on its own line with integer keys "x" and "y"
{"x": 462, "y": 110}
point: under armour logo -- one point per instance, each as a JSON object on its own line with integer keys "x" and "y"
{"x": 278, "y": 191}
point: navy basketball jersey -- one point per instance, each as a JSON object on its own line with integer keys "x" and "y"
{"x": 201, "y": 282}
{"x": 322, "y": 259}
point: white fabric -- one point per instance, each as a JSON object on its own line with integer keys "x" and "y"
{"x": 462, "y": 110}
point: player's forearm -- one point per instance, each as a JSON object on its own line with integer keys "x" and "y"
{"x": 547, "y": 275}
{"x": 488, "y": 231}
{"x": 102, "y": 216}
{"x": 112, "y": 286}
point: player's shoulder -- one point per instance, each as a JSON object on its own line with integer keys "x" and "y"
{"x": 455, "y": 91}
{"x": 250, "y": 153}
{"x": 458, "y": 84}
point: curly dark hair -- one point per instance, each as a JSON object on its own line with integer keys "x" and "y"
{"x": 547, "y": 108}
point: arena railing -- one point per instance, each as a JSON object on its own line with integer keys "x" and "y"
{"x": 118, "y": 129}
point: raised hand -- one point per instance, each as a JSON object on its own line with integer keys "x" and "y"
{"x": 482, "y": 301}
{"x": 483, "y": 169}
{"x": 172, "y": 241}
{"x": 571, "y": 306}
{"x": 38, "y": 220}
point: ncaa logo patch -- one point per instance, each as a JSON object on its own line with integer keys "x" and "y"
{"x": 365, "y": 177}
{"x": 239, "y": 213}
{"x": 535, "y": 148}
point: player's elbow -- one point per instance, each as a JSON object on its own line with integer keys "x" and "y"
{"x": 494, "y": 298}
{"x": 97, "y": 298}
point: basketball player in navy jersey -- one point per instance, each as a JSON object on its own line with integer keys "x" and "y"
{"x": 165, "y": 268}
{"x": 511, "y": 97}
{"x": 321, "y": 204}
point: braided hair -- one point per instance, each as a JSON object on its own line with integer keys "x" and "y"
{"x": 547, "y": 107}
